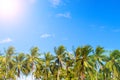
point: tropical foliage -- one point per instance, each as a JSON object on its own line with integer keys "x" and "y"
{"x": 83, "y": 63}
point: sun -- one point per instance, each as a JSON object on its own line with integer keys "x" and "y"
{"x": 10, "y": 9}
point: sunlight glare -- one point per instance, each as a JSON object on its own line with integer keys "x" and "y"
{"x": 10, "y": 9}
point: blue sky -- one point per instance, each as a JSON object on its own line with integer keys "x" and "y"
{"x": 50, "y": 23}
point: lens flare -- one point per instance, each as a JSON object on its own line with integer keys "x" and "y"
{"x": 10, "y": 9}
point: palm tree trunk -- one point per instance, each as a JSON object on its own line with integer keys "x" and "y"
{"x": 58, "y": 74}
{"x": 82, "y": 76}
{"x": 47, "y": 76}
{"x": 78, "y": 76}
{"x": 96, "y": 75}
{"x": 82, "y": 69}
{"x": 56, "y": 77}
{"x": 70, "y": 78}
{"x": 105, "y": 77}
{"x": 18, "y": 73}
{"x": 32, "y": 69}
{"x": 67, "y": 70}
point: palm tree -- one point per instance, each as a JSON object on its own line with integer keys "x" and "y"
{"x": 33, "y": 58}
{"x": 26, "y": 67}
{"x": 69, "y": 61}
{"x": 104, "y": 73}
{"x": 99, "y": 57}
{"x": 47, "y": 62}
{"x": 18, "y": 63}
{"x": 2, "y": 67}
{"x": 9, "y": 64}
{"x": 38, "y": 73}
{"x": 53, "y": 70}
{"x": 59, "y": 59}
{"x": 113, "y": 64}
{"x": 84, "y": 63}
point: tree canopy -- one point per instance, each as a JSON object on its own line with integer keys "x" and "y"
{"x": 84, "y": 63}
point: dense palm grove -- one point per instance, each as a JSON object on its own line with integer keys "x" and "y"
{"x": 84, "y": 63}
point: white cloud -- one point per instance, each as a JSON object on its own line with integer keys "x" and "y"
{"x": 65, "y": 15}
{"x": 55, "y": 2}
{"x": 7, "y": 40}
{"x": 46, "y": 35}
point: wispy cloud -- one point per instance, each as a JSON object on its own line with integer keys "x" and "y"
{"x": 65, "y": 39}
{"x": 116, "y": 30}
{"x": 65, "y": 15}
{"x": 46, "y": 35}
{"x": 98, "y": 27}
{"x": 102, "y": 27}
{"x": 55, "y": 3}
{"x": 7, "y": 40}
